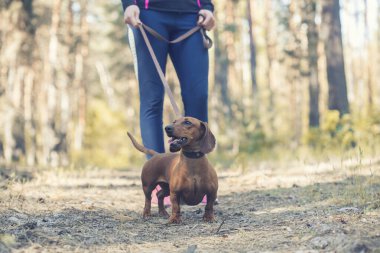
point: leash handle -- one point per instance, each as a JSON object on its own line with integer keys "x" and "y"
{"x": 160, "y": 72}
{"x": 207, "y": 42}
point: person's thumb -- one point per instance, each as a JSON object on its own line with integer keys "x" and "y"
{"x": 137, "y": 17}
{"x": 201, "y": 19}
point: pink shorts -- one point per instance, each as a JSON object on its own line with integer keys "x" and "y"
{"x": 167, "y": 199}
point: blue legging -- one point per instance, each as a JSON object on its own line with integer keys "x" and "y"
{"x": 190, "y": 60}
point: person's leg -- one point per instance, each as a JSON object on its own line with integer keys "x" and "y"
{"x": 191, "y": 63}
{"x": 150, "y": 86}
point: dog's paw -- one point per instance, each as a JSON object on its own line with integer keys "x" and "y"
{"x": 147, "y": 215}
{"x": 209, "y": 218}
{"x": 175, "y": 219}
{"x": 163, "y": 213}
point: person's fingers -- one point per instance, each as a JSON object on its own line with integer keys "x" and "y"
{"x": 209, "y": 22}
{"x": 131, "y": 16}
{"x": 137, "y": 17}
{"x": 206, "y": 19}
{"x": 210, "y": 25}
{"x": 133, "y": 20}
{"x": 127, "y": 16}
{"x": 201, "y": 19}
{"x": 206, "y": 22}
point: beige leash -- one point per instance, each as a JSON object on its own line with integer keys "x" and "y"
{"x": 207, "y": 42}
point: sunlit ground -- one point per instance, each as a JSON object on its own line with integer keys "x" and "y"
{"x": 271, "y": 205}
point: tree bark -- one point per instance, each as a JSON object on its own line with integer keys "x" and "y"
{"x": 378, "y": 51}
{"x": 253, "y": 63}
{"x": 222, "y": 64}
{"x": 312, "y": 36}
{"x": 369, "y": 60}
{"x": 79, "y": 84}
{"x": 296, "y": 53}
{"x": 16, "y": 71}
{"x": 336, "y": 77}
{"x": 270, "y": 55}
{"x": 221, "y": 73}
{"x": 378, "y": 47}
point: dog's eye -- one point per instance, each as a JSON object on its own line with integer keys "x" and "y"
{"x": 187, "y": 123}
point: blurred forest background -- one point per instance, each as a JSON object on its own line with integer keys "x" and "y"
{"x": 287, "y": 77}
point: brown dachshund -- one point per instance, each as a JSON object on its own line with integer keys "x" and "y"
{"x": 188, "y": 176}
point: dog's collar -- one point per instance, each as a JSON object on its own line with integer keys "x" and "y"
{"x": 192, "y": 154}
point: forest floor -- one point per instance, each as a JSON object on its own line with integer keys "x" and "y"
{"x": 304, "y": 207}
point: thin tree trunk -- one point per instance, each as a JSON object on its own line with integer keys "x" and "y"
{"x": 79, "y": 84}
{"x": 18, "y": 42}
{"x": 29, "y": 133}
{"x": 49, "y": 90}
{"x": 294, "y": 69}
{"x": 252, "y": 51}
{"x": 270, "y": 54}
{"x": 369, "y": 61}
{"x": 10, "y": 43}
{"x": 40, "y": 89}
{"x": 68, "y": 94}
{"x": 221, "y": 72}
{"x": 312, "y": 36}
{"x": 378, "y": 48}
{"x": 334, "y": 57}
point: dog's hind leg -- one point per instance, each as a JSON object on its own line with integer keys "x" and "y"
{"x": 164, "y": 192}
{"x": 148, "y": 198}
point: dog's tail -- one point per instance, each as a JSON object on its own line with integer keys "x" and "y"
{"x": 140, "y": 147}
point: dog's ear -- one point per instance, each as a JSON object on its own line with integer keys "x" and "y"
{"x": 208, "y": 141}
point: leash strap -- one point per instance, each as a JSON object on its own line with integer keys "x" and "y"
{"x": 207, "y": 42}
{"x": 160, "y": 73}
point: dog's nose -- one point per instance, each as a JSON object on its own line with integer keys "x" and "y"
{"x": 169, "y": 129}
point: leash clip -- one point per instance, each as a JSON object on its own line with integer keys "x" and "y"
{"x": 207, "y": 41}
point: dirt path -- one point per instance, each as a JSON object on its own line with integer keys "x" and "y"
{"x": 297, "y": 207}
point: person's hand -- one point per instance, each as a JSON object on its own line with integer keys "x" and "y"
{"x": 206, "y": 19}
{"x": 131, "y": 15}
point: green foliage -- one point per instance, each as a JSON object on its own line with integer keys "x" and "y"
{"x": 106, "y": 143}
{"x": 254, "y": 141}
{"x": 244, "y": 148}
{"x": 342, "y": 132}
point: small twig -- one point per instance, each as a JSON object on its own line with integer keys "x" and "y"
{"x": 196, "y": 225}
{"x": 221, "y": 224}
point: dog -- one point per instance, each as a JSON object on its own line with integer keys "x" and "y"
{"x": 188, "y": 176}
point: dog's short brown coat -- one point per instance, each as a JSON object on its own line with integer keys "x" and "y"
{"x": 183, "y": 178}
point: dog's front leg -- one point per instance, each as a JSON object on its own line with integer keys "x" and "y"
{"x": 176, "y": 212}
{"x": 209, "y": 209}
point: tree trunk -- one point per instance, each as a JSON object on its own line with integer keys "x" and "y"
{"x": 334, "y": 58}
{"x": 312, "y": 38}
{"x": 378, "y": 48}
{"x": 252, "y": 51}
{"x": 29, "y": 133}
{"x": 16, "y": 71}
{"x": 369, "y": 60}
{"x": 79, "y": 84}
{"x": 221, "y": 70}
{"x": 270, "y": 54}
{"x": 295, "y": 53}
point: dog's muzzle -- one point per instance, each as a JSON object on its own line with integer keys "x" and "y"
{"x": 175, "y": 142}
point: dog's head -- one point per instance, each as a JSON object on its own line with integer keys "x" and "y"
{"x": 190, "y": 134}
